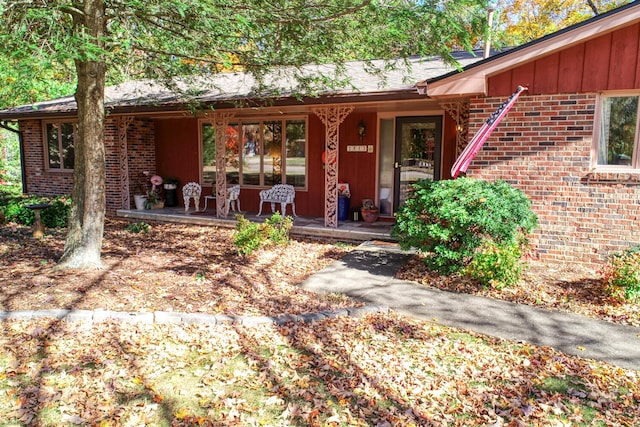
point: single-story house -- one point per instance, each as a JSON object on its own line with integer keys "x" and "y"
{"x": 570, "y": 142}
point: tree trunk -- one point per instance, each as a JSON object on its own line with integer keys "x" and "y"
{"x": 86, "y": 218}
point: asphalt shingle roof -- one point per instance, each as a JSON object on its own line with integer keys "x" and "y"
{"x": 360, "y": 78}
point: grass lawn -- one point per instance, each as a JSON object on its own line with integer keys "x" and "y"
{"x": 379, "y": 370}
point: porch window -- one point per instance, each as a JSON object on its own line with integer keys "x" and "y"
{"x": 259, "y": 152}
{"x": 60, "y": 140}
{"x": 207, "y": 135}
{"x": 618, "y": 135}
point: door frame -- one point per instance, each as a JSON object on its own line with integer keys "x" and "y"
{"x": 437, "y": 155}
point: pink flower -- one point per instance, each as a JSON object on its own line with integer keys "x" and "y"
{"x": 156, "y": 180}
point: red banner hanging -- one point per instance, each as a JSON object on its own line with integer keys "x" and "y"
{"x": 472, "y": 148}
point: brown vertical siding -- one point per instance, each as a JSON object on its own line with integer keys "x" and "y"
{"x": 597, "y": 63}
{"x": 608, "y": 62}
{"x": 625, "y": 44}
{"x": 176, "y": 154}
{"x": 448, "y": 146}
{"x": 358, "y": 168}
{"x": 176, "y": 149}
{"x": 571, "y": 59}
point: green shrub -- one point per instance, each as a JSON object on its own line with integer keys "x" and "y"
{"x": 247, "y": 236}
{"x": 250, "y": 236}
{"x": 451, "y": 220}
{"x": 57, "y": 216}
{"x": 138, "y": 227}
{"x": 621, "y": 274}
{"x": 14, "y": 209}
{"x": 496, "y": 265}
{"x": 278, "y": 228}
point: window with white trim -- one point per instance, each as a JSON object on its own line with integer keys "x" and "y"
{"x": 618, "y": 131}
{"x": 60, "y": 145}
{"x": 258, "y": 152}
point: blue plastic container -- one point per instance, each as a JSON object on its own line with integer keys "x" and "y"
{"x": 343, "y": 208}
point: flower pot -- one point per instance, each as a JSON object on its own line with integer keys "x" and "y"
{"x": 369, "y": 215}
{"x": 139, "y": 201}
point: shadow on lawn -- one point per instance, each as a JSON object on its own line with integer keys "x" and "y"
{"x": 355, "y": 364}
{"x": 385, "y": 370}
{"x": 36, "y": 349}
{"x": 37, "y": 346}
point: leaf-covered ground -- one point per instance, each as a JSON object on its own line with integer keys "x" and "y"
{"x": 380, "y": 370}
{"x": 567, "y": 287}
{"x": 170, "y": 268}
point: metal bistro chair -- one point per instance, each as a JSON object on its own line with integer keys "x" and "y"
{"x": 191, "y": 190}
{"x": 233, "y": 199}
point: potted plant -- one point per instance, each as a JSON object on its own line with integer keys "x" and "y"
{"x": 171, "y": 191}
{"x": 369, "y": 211}
{"x": 140, "y": 198}
{"x": 154, "y": 195}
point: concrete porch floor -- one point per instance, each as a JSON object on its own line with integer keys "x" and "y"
{"x": 356, "y": 231}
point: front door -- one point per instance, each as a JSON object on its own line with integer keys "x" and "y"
{"x": 417, "y": 153}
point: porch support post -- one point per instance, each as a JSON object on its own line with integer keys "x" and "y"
{"x": 123, "y": 123}
{"x": 331, "y": 117}
{"x": 459, "y": 111}
{"x": 220, "y": 123}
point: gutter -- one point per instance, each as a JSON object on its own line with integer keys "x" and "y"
{"x": 406, "y": 93}
{"x": 23, "y": 176}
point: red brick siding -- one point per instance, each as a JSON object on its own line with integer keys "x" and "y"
{"x": 142, "y": 154}
{"x": 543, "y": 147}
{"x": 40, "y": 180}
{"x": 141, "y": 151}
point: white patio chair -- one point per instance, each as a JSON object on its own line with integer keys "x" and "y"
{"x": 233, "y": 199}
{"x": 191, "y": 190}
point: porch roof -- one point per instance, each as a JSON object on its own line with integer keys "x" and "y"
{"x": 358, "y": 81}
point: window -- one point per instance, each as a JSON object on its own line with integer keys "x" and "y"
{"x": 618, "y": 136}
{"x": 60, "y": 139}
{"x": 259, "y": 152}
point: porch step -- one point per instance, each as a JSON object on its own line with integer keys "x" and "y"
{"x": 308, "y": 227}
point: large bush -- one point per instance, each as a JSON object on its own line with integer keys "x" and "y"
{"x": 455, "y": 222}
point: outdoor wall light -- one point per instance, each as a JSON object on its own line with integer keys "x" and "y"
{"x": 362, "y": 129}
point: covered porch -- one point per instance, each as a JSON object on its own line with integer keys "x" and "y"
{"x": 303, "y": 226}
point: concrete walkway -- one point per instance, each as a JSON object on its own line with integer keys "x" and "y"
{"x": 367, "y": 274}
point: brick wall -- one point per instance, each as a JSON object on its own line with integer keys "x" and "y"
{"x": 39, "y": 179}
{"x": 543, "y": 147}
{"x": 142, "y": 151}
{"x": 141, "y": 157}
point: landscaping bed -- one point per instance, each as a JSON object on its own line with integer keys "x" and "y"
{"x": 169, "y": 268}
